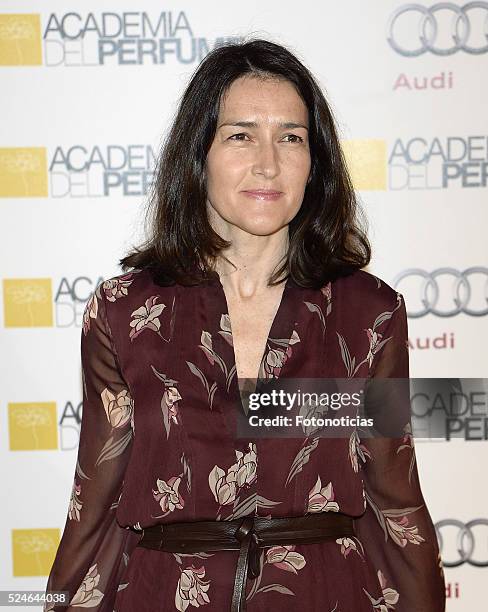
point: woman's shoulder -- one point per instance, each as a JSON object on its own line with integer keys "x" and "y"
{"x": 130, "y": 290}
{"x": 128, "y": 299}
{"x": 366, "y": 290}
{"x": 118, "y": 286}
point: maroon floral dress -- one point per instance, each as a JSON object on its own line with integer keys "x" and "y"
{"x": 158, "y": 445}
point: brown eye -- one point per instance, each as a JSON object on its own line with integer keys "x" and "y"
{"x": 300, "y": 139}
{"x": 234, "y": 135}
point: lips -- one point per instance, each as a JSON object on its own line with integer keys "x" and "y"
{"x": 262, "y": 194}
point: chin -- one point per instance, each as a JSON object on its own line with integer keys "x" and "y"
{"x": 263, "y": 228}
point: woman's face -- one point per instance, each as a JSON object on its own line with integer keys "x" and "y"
{"x": 261, "y": 143}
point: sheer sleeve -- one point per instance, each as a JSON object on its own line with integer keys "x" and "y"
{"x": 396, "y": 528}
{"x": 94, "y": 548}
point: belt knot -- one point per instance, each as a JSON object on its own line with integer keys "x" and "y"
{"x": 245, "y": 528}
{"x": 249, "y": 542}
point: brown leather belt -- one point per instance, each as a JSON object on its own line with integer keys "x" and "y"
{"x": 248, "y": 535}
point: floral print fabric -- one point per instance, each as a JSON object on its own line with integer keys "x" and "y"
{"x": 158, "y": 444}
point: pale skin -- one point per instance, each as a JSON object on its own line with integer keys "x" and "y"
{"x": 272, "y": 153}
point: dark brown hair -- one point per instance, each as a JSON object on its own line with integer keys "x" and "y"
{"x": 325, "y": 238}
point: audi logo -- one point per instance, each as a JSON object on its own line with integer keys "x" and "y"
{"x": 465, "y": 547}
{"x": 428, "y": 28}
{"x": 461, "y": 297}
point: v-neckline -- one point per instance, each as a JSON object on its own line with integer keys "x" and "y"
{"x": 277, "y": 329}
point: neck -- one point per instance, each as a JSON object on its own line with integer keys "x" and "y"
{"x": 247, "y": 267}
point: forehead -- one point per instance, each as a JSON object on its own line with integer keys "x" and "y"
{"x": 255, "y": 97}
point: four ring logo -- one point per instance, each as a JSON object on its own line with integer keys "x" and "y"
{"x": 459, "y": 30}
{"x": 428, "y": 291}
{"x": 463, "y": 549}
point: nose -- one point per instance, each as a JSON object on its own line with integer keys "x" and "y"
{"x": 266, "y": 160}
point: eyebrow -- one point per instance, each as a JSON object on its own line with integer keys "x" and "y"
{"x": 253, "y": 124}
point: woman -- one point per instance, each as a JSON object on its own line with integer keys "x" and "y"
{"x": 251, "y": 186}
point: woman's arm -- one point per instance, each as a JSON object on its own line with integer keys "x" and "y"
{"x": 396, "y": 529}
{"x": 90, "y": 557}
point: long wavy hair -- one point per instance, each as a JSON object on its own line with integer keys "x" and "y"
{"x": 327, "y": 237}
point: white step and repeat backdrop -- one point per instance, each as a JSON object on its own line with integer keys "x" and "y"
{"x": 84, "y": 107}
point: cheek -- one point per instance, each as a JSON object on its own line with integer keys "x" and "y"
{"x": 214, "y": 173}
{"x": 296, "y": 165}
{"x": 224, "y": 173}
{"x": 297, "y": 170}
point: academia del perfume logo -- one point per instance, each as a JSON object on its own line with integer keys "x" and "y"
{"x": 46, "y": 302}
{"x": 103, "y": 39}
{"x": 77, "y": 171}
{"x": 36, "y": 426}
